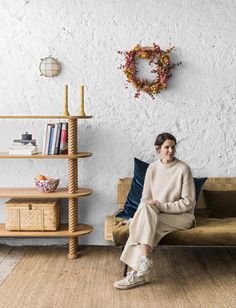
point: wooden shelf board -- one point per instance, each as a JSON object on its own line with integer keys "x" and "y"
{"x": 34, "y": 193}
{"x": 63, "y": 231}
{"x": 78, "y": 155}
{"x": 43, "y": 117}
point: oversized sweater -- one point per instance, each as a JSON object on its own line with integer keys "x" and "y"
{"x": 170, "y": 184}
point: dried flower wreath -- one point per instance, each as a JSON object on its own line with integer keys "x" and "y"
{"x": 162, "y": 68}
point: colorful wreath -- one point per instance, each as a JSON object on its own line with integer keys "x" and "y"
{"x": 162, "y": 68}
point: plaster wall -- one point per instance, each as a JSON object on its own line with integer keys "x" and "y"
{"x": 198, "y": 107}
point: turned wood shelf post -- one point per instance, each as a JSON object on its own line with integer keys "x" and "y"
{"x": 72, "y": 187}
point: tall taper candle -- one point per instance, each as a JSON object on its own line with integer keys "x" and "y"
{"x": 82, "y": 94}
{"x": 66, "y": 112}
{"x": 82, "y": 112}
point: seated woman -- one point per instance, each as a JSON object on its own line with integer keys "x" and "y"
{"x": 167, "y": 204}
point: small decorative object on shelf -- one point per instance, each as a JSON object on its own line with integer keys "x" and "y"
{"x": 24, "y": 146}
{"x": 49, "y": 67}
{"x": 82, "y": 112}
{"x": 25, "y": 139}
{"x": 66, "y": 112}
{"x": 155, "y": 56}
{"x": 46, "y": 184}
{"x": 26, "y": 136}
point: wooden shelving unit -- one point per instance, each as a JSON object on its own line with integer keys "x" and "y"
{"x": 63, "y": 231}
{"x": 43, "y": 117}
{"x": 34, "y": 193}
{"x": 73, "y": 229}
{"x": 39, "y": 155}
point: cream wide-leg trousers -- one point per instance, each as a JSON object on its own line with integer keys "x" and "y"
{"x": 148, "y": 226}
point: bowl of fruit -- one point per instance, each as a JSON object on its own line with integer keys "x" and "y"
{"x": 46, "y": 184}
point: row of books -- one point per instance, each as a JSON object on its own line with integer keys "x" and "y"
{"x": 55, "y": 139}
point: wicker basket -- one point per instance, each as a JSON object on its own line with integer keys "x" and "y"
{"x": 32, "y": 214}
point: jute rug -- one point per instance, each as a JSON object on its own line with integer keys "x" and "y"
{"x": 183, "y": 277}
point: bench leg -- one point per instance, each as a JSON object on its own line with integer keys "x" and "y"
{"x": 125, "y": 267}
{"x": 125, "y": 270}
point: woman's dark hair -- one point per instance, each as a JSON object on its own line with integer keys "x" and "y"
{"x": 160, "y": 139}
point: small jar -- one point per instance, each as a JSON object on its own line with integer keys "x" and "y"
{"x": 26, "y": 136}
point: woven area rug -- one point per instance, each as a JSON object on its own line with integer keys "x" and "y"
{"x": 183, "y": 277}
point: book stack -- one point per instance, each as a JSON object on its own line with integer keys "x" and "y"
{"x": 24, "y": 146}
{"x": 18, "y": 148}
{"x": 55, "y": 139}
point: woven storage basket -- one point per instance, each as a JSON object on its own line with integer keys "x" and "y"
{"x": 32, "y": 214}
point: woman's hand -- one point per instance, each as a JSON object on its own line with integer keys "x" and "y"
{"x": 123, "y": 223}
{"x": 153, "y": 202}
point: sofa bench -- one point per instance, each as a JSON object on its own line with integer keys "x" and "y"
{"x": 209, "y": 231}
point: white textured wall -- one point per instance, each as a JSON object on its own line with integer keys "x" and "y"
{"x": 198, "y": 107}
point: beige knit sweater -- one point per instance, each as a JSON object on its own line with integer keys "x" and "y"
{"x": 170, "y": 184}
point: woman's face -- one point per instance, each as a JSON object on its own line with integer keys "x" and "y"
{"x": 167, "y": 151}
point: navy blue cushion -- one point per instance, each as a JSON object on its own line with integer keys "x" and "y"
{"x": 135, "y": 193}
{"x": 199, "y": 182}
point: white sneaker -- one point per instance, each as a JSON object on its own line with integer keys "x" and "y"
{"x": 131, "y": 280}
{"x": 145, "y": 265}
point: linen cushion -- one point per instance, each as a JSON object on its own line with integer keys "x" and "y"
{"x": 221, "y": 204}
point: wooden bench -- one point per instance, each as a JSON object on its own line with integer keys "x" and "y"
{"x": 208, "y": 232}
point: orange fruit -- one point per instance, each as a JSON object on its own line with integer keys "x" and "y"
{"x": 41, "y": 177}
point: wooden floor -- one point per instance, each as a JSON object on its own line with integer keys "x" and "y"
{"x": 183, "y": 277}
{"x": 9, "y": 258}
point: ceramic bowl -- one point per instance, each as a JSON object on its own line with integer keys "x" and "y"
{"x": 48, "y": 185}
